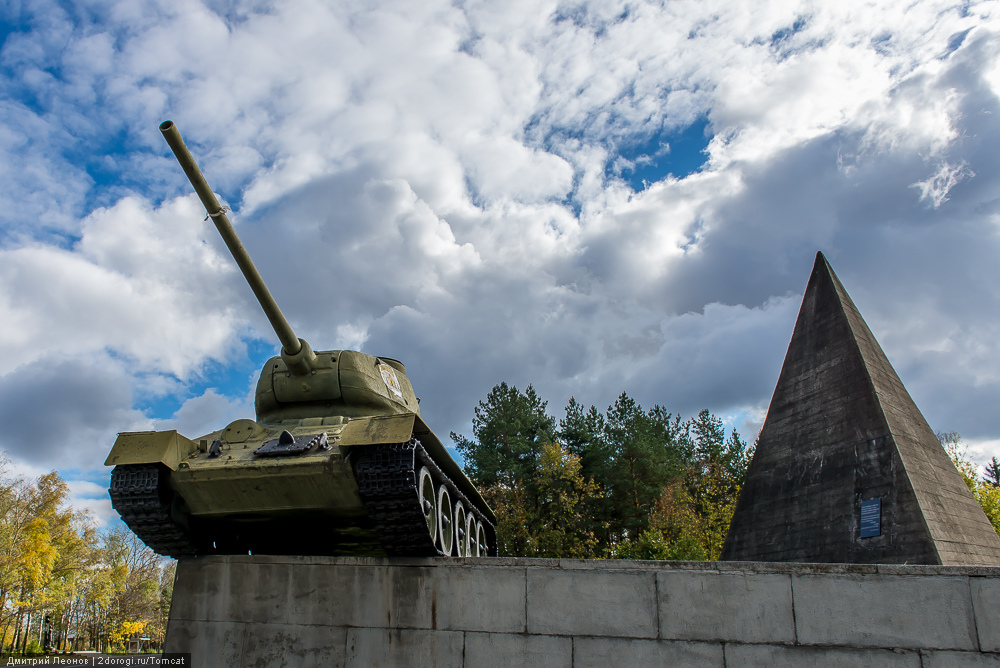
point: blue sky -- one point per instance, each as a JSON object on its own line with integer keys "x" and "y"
{"x": 677, "y": 152}
{"x": 591, "y": 197}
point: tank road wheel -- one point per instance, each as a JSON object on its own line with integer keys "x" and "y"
{"x": 461, "y": 534}
{"x": 446, "y": 521}
{"x": 428, "y": 501}
{"x": 481, "y": 540}
{"x": 472, "y": 540}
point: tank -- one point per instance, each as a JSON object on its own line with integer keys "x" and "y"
{"x": 337, "y": 462}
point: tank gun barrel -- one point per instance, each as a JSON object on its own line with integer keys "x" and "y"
{"x": 294, "y": 350}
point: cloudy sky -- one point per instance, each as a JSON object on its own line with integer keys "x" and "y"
{"x": 592, "y": 197}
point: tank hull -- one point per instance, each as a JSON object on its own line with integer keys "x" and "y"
{"x": 183, "y": 496}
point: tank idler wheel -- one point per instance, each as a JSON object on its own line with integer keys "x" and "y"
{"x": 446, "y": 521}
{"x": 461, "y": 530}
{"x": 428, "y": 501}
{"x": 472, "y": 531}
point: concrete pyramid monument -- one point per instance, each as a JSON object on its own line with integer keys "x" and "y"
{"x": 847, "y": 469}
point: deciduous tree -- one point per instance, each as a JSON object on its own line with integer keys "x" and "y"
{"x": 54, "y": 566}
{"x": 552, "y": 520}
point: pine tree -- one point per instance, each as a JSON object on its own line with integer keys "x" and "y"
{"x": 510, "y": 428}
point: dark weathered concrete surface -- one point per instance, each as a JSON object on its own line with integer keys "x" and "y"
{"x": 311, "y": 611}
{"x": 841, "y": 429}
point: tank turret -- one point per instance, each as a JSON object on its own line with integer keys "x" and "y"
{"x": 338, "y": 460}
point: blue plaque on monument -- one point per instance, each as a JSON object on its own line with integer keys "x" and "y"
{"x": 871, "y": 518}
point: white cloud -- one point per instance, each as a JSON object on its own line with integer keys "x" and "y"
{"x": 431, "y": 181}
{"x": 139, "y": 282}
{"x": 207, "y": 413}
{"x": 65, "y": 411}
{"x": 936, "y": 188}
{"x": 92, "y": 497}
{"x": 982, "y": 452}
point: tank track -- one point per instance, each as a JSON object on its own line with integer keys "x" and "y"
{"x": 145, "y": 506}
{"x": 387, "y": 479}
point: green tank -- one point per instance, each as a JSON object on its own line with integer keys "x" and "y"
{"x": 337, "y": 462}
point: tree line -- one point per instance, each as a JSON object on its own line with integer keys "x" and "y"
{"x": 628, "y": 482}
{"x": 64, "y": 585}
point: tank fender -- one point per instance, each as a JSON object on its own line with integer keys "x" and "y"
{"x": 378, "y": 429}
{"x": 150, "y": 447}
{"x": 435, "y": 448}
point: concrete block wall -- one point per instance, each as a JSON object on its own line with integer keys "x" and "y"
{"x": 321, "y": 611}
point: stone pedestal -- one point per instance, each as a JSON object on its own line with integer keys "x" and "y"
{"x": 309, "y": 611}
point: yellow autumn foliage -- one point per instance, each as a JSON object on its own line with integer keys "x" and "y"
{"x": 55, "y": 569}
{"x": 547, "y": 516}
{"x": 985, "y": 492}
{"x": 988, "y": 496}
{"x": 125, "y": 630}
